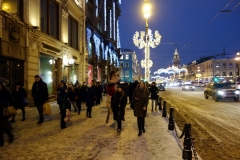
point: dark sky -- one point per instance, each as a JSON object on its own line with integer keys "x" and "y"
{"x": 196, "y": 27}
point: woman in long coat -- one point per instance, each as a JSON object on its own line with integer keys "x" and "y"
{"x": 118, "y": 104}
{"x": 89, "y": 97}
{"x": 140, "y": 98}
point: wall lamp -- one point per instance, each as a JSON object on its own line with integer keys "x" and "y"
{"x": 70, "y": 63}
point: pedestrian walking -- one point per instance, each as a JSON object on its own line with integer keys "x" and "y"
{"x": 64, "y": 105}
{"x": 153, "y": 95}
{"x": 141, "y": 98}
{"x": 118, "y": 104}
{"x": 98, "y": 90}
{"x": 20, "y": 96}
{"x": 72, "y": 97}
{"x": 79, "y": 97}
{"x": 60, "y": 95}
{"x": 6, "y": 99}
{"x": 113, "y": 79}
{"x": 40, "y": 96}
{"x": 89, "y": 97}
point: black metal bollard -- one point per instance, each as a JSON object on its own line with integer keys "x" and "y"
{"x": 164, "y": 113}
{"x": 171, "y": 124}
{"x": 160, "y": 103}
{"x": 187, "y": 152}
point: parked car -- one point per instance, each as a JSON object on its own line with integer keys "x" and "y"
{"x": 188, "y": 86}
{"x": 220, "y": 91}
{"x": 161, "y": 86}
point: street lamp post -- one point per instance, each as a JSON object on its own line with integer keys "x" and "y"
{"x": 146, "y": 40}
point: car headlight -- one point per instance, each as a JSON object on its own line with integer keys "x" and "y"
{"x": 187, "y": 87}
{"x": 193, "y": 87}
{"x": 220, "y": 92}
{"x": 237, "y": 92}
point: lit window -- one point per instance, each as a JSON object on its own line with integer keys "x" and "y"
{"x": 127, "y": 56}
{"x": 121, "y": 57}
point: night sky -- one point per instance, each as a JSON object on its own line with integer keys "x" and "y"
{"x": 196, "y": 27}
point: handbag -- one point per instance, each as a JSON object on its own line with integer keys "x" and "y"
{"x": 47, "y": 109}
{"x": 9, "y": 111}
{"x": 67, "y": 118}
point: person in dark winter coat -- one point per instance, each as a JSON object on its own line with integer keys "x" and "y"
{"x": 118, "y": 104}
{"x": 130, "y": 91}
{"x": 6, "y": 98}
{"x": 79, "y": 97}
{"x": 19, "y": 103}
{"x": 64, "y": 105}
{"x": 71, "y": 96}
{"x": 89, "y": 97}
{"x": 40, "y": 96}
{"x": 98, "y": 89}
{"x": 154, "y": 95}
{"x": 141, "y": 98}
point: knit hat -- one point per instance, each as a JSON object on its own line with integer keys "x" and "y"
{"x": 89, "y": 85}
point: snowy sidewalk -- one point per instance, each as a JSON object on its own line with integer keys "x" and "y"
{"x": 91, "y": 138}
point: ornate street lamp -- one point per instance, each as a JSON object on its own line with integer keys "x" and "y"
{"x": 146, "y": 40}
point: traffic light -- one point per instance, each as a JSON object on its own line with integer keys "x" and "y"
{"x": 215, "y": 79}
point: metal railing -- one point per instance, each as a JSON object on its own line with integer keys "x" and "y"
{"x": 188, "y": 144}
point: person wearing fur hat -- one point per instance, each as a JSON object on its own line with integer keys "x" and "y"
{"x": 6, "y": 98}
{"x": 89, "y": 97}
{"x": 111, "y": 89}
{"x": 118, "y": 104}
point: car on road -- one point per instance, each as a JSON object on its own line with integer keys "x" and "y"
{"x": 161, "y": 86}
{"x": 188, "y": 86}
{"x": 220, "y": 91}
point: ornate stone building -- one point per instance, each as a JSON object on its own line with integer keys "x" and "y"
{"x": 43, "y": 37}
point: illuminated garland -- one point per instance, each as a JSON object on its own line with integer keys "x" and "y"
{"x": 96, "y": 8}
{"x": 89, "y": 34}
{"x": 118, "y": 36}
{"x": 105, "y": 14}
{"x": 114, "y": 21}
{"x": 97, "y": 45}
{"x": 103, "y": 54}
{"x": 106, "y": 53}
{"x": 110, "y": 23}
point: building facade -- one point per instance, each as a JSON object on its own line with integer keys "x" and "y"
{"x": 130, "y": 67}
{"x": 43, "y": 37}
{"x": 225, "y": 69}
{"x": 103, "y": 39}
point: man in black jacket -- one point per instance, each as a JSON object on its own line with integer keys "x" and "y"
{"x": 40, "y": 96}
{"x": 154, "y": 95}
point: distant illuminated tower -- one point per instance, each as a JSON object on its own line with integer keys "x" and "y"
{"x": 176, "y": 59}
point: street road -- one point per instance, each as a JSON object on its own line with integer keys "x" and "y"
{"x": 215, "y": 125}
